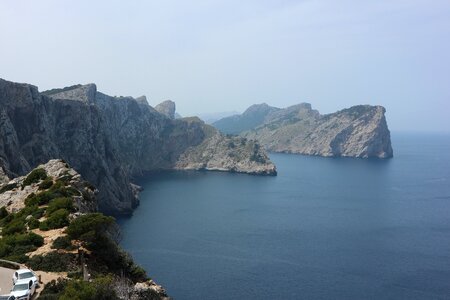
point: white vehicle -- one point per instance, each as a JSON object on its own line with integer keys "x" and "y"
{"x": 25, "y": 274}
{"x": 23, "y": 289}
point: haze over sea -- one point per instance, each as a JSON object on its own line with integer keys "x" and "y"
{"x": 324, "y": 228}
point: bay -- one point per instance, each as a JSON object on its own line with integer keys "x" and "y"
{"x": 324, "y": 228}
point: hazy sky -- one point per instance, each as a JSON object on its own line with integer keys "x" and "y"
{"x": 211, "y": 56}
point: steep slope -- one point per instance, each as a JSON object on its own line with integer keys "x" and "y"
{"x": 359, "y": 131}
{"x": 106, "y": 139}
{"x": 49, "y": 223}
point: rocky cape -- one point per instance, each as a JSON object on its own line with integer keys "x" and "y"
{"x": 110, "y": 140}
{"x": 359, "y": 131}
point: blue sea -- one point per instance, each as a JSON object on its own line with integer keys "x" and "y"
{"x": 324, "y": 228}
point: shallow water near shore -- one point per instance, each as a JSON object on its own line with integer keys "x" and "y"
{"x": 324, "y": 228}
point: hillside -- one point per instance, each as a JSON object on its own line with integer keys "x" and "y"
{"x": 49, "y": 223}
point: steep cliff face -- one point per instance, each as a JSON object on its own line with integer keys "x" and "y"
{"x": 106, "y": 139}
{"x": 359, "y": 131}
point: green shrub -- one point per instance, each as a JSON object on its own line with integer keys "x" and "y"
{"x": 8, "y": 265}
{"x": 3, "y": 212}
{"x": 52, "y": 262}
{"x": 17, "y": 225}
{"x": 33, "y": 223}
{"x": 18, "y": 244}
{"x": 8, "y": 187}
{"x": 63, "y": 242}
{"x": 34, "y": 176}
{"x": 99, "y": 289}
{"x": 57, "y": 190}
{"x": 59, "y": 203}
{"x": 46, "y": 184}
{"x": 89, "y": 226}
{"x": 18, "y": 258}
{"x": 30, "y": 238}
{"x": 6, "y": 220}
{"x": 57, "y": 219}
{"x": 52, "y": 289}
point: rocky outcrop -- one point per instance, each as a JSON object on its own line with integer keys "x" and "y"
{"x": 166, "y": 108}
{"x": 54, "y": 190}
{"x": 108, "y": 140}
{"x": 227, "y": 153}
{"x": 14, "y": 192}
{"x": 360, "y": 131}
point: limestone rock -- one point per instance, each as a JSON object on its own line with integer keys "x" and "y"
{"x": 13, "y": 197}
{"x": 166, "y": 108}
{"x": 227, "y": 153}
{"x": 148, "y": 290}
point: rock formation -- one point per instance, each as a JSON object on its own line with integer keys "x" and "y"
{"x": 166, "y": 108}
{"x": 359, "y": 131}
{"x": 108, "y": 140}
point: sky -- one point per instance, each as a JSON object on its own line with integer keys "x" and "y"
{"x": 213, "y": 56}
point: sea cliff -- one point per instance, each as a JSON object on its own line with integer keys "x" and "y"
{"x": 109, "y": 140}
{"x": 359, "y": 131}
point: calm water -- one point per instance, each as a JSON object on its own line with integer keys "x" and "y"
{"x": 322, "y": 229}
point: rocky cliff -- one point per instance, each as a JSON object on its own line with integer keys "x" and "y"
{"x": 359, "y": 131}
{"x": 108, "y": 140}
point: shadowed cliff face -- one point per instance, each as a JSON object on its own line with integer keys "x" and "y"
{"x": 359, "y": 131}
{"x": 106, "y": 139}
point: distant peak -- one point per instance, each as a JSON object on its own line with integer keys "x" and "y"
{"x": 142, "y": 100}
{"x": 259, "y": 108}
{"x": 167, "y": 108}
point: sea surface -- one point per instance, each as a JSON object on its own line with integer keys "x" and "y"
{"x": 324, "y": 228}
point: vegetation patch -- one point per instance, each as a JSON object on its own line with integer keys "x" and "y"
{"x": 34, "y": 177}
{"x": 53, "y": 262}
{"x": 58, "y": 219}
{"x": 101, "y": 288}
{"x": 63, "y": 242}
{"x": 46, "y": 183}
{"x": 13, "y": 247}
{"x": 17, "y": 222}
{"x": 8, "y": 187}
{"x": 57, "y": 190}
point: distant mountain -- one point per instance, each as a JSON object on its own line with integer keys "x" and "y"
{"x": 359, "y": 131}
{"x": 210, "y": 118}
{"x": 252, "y": 117}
